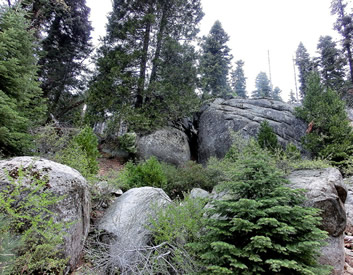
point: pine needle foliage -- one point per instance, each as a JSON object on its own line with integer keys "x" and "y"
{"x": 331, "y": 136}
{"x": 21, "y": 104}
{"x": 266, "y": 137}
{"x": 260, "y": 225}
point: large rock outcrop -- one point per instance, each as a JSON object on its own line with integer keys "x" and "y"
{"x": 126, "y": 225}
{"x": 63, "y": 181}
{"x": 169, "y": 145}
{"x": 326, "y": 191}
{"x": 220, "y": 117}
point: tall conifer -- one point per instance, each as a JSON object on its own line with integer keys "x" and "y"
{"x": 215, "y": 62}
{"x": 238, "y": 80}
{"x": 21, "y": 104}
{"x": 305, "y": 66}
{"x": 144, "y": 40}
{"x": 331, "y": 63}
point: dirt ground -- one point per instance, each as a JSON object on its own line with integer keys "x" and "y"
{"x": 107, "y": 164}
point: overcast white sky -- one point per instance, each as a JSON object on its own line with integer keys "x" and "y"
{"x": 256, "y": 27}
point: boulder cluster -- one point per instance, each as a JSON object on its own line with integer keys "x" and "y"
{"x": 123, "y": 227}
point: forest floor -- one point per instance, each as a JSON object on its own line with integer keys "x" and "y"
{"x": 108, "y": 164}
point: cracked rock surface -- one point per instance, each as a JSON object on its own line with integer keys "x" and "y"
{"x": 221, "y": 117}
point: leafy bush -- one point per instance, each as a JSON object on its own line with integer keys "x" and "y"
{"x": 179, "y": 223}
{"x": 79, "y": 151}
{"x": 49, "y": 140}
{"x": 146, "y": 173}
{"x": 73, "y": 147}
{"x": 260, "y": 227}
{"x": 290, "y": 160}
{"x": 88, "y": 142}
{"x": 75, "y": 157}
{"x": 266, "y": 137}
{"x": 26, "y": 202}
{"x": 331, "y": 136}
{"x": 127, "y": 142}
{"x": 9, "y": 245}
{"x": 190, "y": 175}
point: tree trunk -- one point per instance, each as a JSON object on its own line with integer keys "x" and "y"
{"x": 347, "y": 41}
{"x": 160, "y": 34}
{"x": 143, "y": 64}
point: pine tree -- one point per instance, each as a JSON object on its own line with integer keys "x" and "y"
{"x": 331, "y": 136}
{"x": 344, "y": 25}
{"x": 21, "y": 104}
{"x": 65, "y": 47}
{"x": 63, "y": 30}
{"x": 239, "y": 80}
{"x": 215, "y": 63}
{"x": 266, "y": 138}
{"x": 258, "y": 227}
{"x": 292, "y": 98}
{"x": 138, "y": 36}
{"x": 262, "y": 85}
{"x": 305, "y": 66}
{"x": 331, "y": 63}
{"x": 276, "y": 94}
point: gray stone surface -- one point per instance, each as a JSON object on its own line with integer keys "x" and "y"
{"x": 244, "y": 115}
{"x": 126, "y": 222}
{"x": 199, "y": 193}
{"x": 349, "y": 205}
{"x": 75, "y": 205}
{"x": 333, "y": 254}
{"x": 326, "y": 191}
{"x": 169, "y": 145}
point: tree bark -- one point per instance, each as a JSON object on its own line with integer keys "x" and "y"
{"x": 347, "y": 40}
{"x": 144, "y": 58}
{"x": 160, "y": 34}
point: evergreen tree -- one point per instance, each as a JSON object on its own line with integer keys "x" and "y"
{"x": 331, "y": 63}
{"x": 138, "y": 36}
{"x": 239, "y": 80}
{"x": 292, "y": 98}
{"x": 331, "y": 136}
{"x": 260, "y": 226}
{"x": 344, "y": 25}
{"x": 215, "y": 62}
{"x": 266, "y": 138}
{"x": 65, "y": 47}
{"x": 276, "y": 94}
{"x": 21, "y": 104}
{"x": 63, "y": 30}
{"x": 262, "y": 85}
{"x": 305, "y": 66}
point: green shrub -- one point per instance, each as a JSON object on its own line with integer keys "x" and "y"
{"x": 74, "y": 157}
{"x": 26, "y": 201}
{"x": 9, "y": 245}
{"x": 146, "y": 173}
{"x": 88, "y": 142}
{"x": 260, "y": 227}
{"x": 49, "y": 139}
{"x": 177, "y": 224}
{"x": 127, "y": 142}
{"x": 290, "y": 160}
{"x": 190, "y": 175}
{"x": 79, "y": 151}
{"x": 266, "y": 138}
